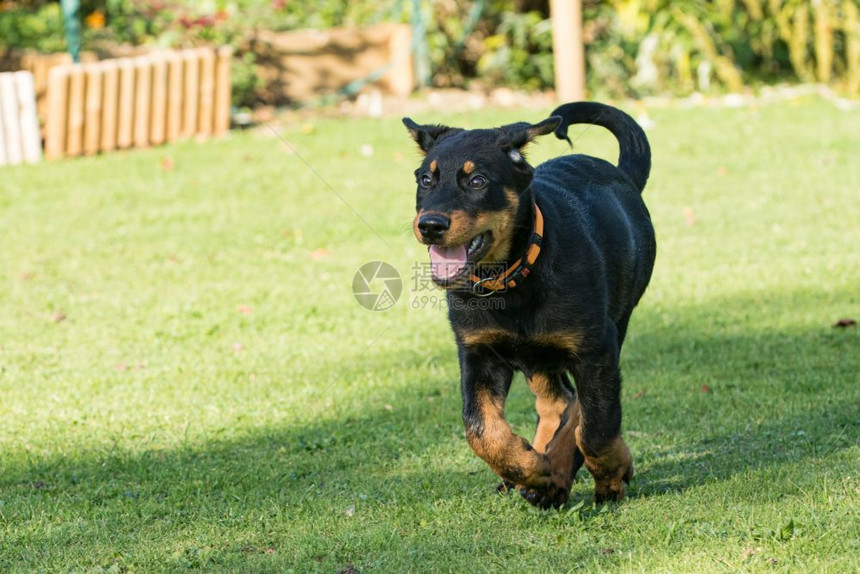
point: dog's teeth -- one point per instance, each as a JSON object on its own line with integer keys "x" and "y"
{"x": 474, "y": 244}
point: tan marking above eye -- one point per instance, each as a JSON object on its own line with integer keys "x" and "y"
{"x": 468, "y": 167}
{"x": 433, "y": 165}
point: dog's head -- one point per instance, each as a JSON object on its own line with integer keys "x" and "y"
{"x": 469, "y": 187}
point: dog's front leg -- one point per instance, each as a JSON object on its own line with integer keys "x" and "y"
{"x": 485, "y": 381}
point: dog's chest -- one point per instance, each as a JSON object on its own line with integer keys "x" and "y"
{"x": 551, "y": 350}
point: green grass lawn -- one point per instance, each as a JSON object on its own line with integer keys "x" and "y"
{"x": 187, "y": 380}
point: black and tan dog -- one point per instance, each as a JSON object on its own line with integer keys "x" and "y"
{"x": 568, "y": 247}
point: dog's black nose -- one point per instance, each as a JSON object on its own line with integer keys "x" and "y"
{"x": 433, "y": 226}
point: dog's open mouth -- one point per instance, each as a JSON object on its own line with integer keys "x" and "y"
{"x": 450, "y": 264}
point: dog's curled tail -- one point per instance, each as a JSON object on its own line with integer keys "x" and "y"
{"x": 634, "y": 157}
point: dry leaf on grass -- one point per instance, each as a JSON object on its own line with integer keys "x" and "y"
{"x": 689, "y": 216}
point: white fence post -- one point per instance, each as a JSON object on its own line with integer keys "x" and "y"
{"x": 31, "y": 140}
{"x": 19, "y": 125}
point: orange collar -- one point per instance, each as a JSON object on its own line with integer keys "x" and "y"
{"x": 521, "y": 268}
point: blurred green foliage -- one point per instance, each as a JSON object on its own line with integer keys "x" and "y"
{"x": 641, "y": 47}
{"x": 681, "y": 45}
{"x": 39, "y": 26}
{"x": 633, "y": 47}
{"x": 519, "y": 52}
{"x": 178, "y": 23}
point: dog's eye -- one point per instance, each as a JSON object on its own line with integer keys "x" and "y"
{"x": 425, "y": 180}
{"x": 478, "y": 182}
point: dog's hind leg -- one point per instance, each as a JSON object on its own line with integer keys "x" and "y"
{"x": 558, "y": 412}
{"x": 553, "y": 393}
{"x": 558, "y": 408}
{"x": 598, "y": 384}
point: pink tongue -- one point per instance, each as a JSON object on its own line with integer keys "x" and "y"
{"x": 447, "y": 262}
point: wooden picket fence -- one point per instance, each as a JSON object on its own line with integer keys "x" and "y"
{"x": 19, "y": 125}
{"x": 14, "y": 60}
{"x": 137, "y": 102}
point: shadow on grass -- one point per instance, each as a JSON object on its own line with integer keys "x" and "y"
{"x": 774, "y": 399}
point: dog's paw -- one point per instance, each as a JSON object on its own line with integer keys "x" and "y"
{"x": 607, "y": 488}
{"x": 505, "y": 487}
{"x": 552, "y": 496}
{"x": 611, "y": 468}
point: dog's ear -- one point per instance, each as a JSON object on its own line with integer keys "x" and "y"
{"x": 521, "y": 133}
{"x": 428, "y": 136}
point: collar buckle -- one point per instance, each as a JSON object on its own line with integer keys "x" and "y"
{"x": 478, "y": 285}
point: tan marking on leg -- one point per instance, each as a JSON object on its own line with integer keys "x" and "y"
{"x": 562, "y": 449}
{"x": 559, "y": 418}
{"x": 553, "y": 412}
{"x": 468, "y": 167}
{"x": 484, "y": 337}
{"x": 566, "y": 340}
{"x": 510, "y": 456}
{"x": 611, "y": 467}
{"x": 549, "y": 408}
{"x": 547, "y": 425}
